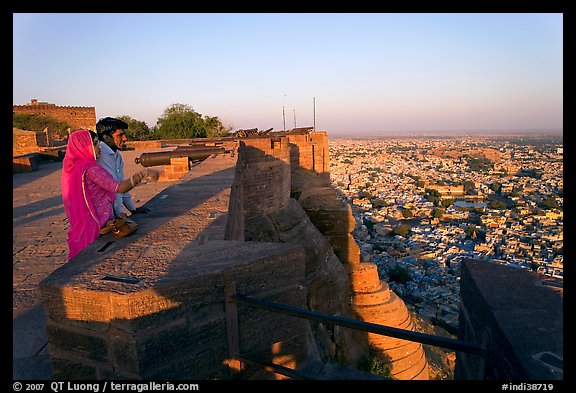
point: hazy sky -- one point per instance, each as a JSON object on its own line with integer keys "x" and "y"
{"x": 366, "y": 73}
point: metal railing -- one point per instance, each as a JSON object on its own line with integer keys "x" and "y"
{"x": 232, "y": 299}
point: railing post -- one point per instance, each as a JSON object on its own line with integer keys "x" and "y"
{"x": 232, "y": 331}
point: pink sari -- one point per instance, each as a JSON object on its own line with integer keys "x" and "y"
{"x": 87, "y": 192}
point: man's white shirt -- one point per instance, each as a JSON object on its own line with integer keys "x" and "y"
{"x": 112, "y": 161}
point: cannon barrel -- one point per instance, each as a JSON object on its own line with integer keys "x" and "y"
{"x": 199, "y": 148}
{"x": 215, "y": 143}
{"x": 163, "y": 157}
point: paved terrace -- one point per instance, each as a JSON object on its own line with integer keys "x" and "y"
{"x": 39, "y": 238}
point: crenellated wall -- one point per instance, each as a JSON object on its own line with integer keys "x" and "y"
{"x": 310, "y": 151}
{"x": 77, "y": 116}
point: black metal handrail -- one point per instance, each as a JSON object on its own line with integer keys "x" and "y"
{"x": 429, "y": 339}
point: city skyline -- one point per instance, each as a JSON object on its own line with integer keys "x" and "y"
{"x": 350, "y": 73}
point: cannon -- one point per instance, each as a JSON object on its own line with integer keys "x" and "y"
{"x": 212, "y": 143}
{"x": 163, "y": 157}
{"x": 198, "y": 148}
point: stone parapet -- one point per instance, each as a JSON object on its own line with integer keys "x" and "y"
{"x": 24, "y": 142}
{"x": 310, "y": 151}
{"x": 106, "y": 320}
{"x": 518, "y": 316}
{"x": 25, "y": 163}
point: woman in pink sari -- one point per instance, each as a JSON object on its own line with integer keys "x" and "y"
{"x": 88, "y": 190}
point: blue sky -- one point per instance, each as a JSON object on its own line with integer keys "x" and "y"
{"x": 361, "y": 73}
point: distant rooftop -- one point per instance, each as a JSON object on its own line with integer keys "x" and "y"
{"x": 34, "y": 101}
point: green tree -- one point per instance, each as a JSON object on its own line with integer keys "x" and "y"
{"x": 137, "y": 130}
{"x": 438, "y": 213}
{"x": 550, "y": 202}
{"x": 181, "y": 121}
{"x": 496, "y": 204}
{"x": 469, "y": 186}
{"x": 369, "y": 224}
{"x": 407, "y": 213}
{"x": 432, "y": 192}
{"x": 215, "y": 128}
{"x": 400, "y": 275}
{"x": 364, "y": 194}
{"x": 472, "y": 232}
{"x": 433, "y": 196}
{"x": 480, "y": 164}
{"x": 376, "y": 363}
{"x": 402, "y": 230}
{"x": 446, "y": 202}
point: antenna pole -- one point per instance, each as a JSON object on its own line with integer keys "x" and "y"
{"x": 314, "y": 128}
{"x": 284, "y": 118}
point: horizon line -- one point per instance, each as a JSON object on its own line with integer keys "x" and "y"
{"x": 553, "y": 131}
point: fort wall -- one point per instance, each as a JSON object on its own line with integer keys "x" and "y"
{"x": 79, "y": 117}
